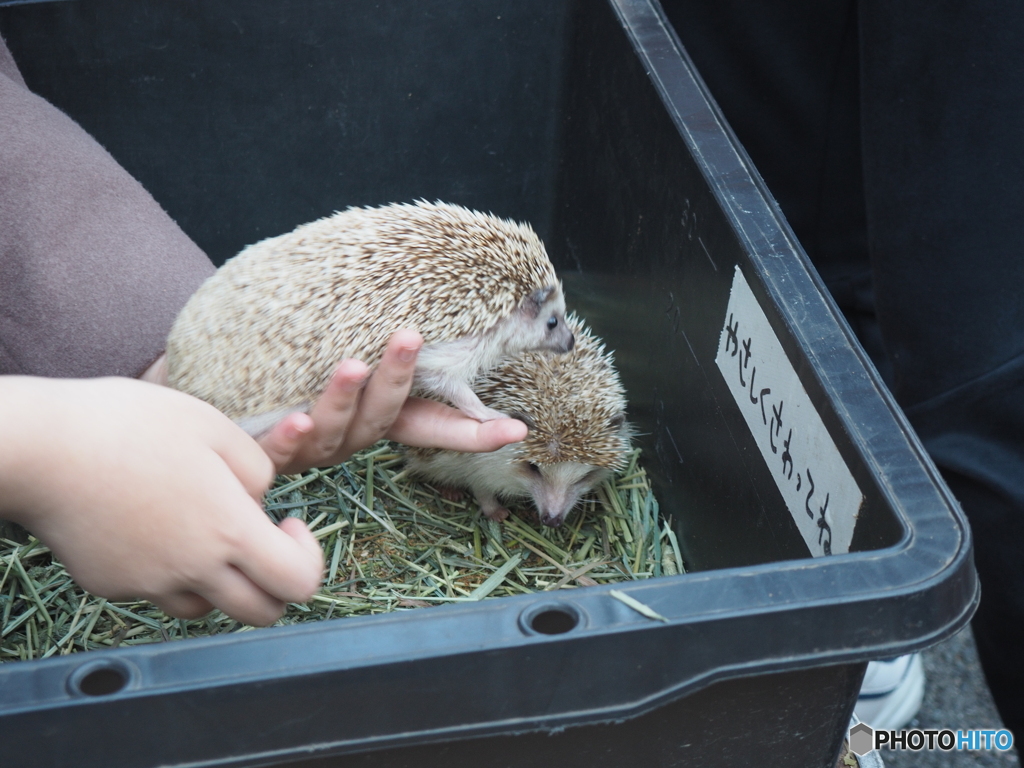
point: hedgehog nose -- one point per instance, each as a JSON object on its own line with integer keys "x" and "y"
{"x": 552, "y": 521}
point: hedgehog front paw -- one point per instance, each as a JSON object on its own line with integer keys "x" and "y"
{"x": 467, "y": 401}
{"x": 451, "y": 493}
{"x": 497, "y": 513}
{"x": 484, "y": 414}
{"x": 490, "y": 506}
{"x": 479, "y": 411}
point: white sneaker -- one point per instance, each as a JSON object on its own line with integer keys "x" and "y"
{"x": 891, "y": 693}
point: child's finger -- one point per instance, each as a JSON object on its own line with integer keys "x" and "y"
{"x": 239, "y": 597}
{"x": 244, "y": 457}
{"x": 183, "y": 605}
{"x": 285, "y": 440}
{"x": 281, "y": 561}
{"x": 386, "y": 391}
{"x": 430, "y": 424}
{"x": 301, "y": 533}
{"x": 333, "y": 412}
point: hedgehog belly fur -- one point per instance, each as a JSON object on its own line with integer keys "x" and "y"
{"x": 485, "y": 474}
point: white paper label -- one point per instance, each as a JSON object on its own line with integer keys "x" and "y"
{"x": 819, "y": 490}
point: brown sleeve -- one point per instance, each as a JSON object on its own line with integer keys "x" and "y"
{"x": 92, "y": 270}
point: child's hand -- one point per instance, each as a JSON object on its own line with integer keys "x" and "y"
{"x": 357, "y": 410}
{"x": 142, "y": 491}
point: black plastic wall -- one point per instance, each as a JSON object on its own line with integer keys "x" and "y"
{"x": 648, "y": 254}
{"x": 704, "y": 729}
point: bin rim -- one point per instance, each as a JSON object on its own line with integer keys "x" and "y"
{"x": 931, "y": 553}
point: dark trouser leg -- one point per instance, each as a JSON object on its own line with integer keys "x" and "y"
{"x": 942, "y": 121}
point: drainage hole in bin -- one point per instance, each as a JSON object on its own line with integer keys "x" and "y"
{"x": 103, "y": 682}
{"x": 554, "y": 621}
{"x": 100, "y": 679}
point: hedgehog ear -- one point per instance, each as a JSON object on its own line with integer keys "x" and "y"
{"x": 531, "y": 304}
{"x": 530, "y": 424}
{"x": 617, "y": 420}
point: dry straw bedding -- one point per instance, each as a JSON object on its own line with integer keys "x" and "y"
{"x": 390, "y": 544}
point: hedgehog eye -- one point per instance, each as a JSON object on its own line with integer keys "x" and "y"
{"x": 552, "y": 323}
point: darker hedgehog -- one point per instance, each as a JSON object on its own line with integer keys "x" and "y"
{"x": 575, "y": 407}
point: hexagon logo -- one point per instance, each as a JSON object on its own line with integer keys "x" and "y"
{"x": 862, "y": 739}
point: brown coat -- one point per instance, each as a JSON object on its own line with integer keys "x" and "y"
{"x": 92, "y": 270}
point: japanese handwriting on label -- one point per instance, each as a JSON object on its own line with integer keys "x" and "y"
{"x": 815, "y": 482}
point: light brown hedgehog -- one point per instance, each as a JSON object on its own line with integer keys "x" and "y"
{"x": 575, "y": 407}
{"x": 261, "y": 337}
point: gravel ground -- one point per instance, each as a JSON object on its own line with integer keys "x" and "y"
{"x": 955, "y": 697}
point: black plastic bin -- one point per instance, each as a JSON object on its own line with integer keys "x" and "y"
{"x": 813, "y": 545}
